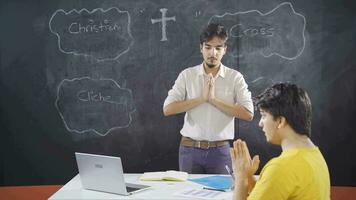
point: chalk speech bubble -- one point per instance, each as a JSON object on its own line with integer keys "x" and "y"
{"x": 98, "y": 105}
{"x": 101, "y": 34}
{"x": 278, "y": 32}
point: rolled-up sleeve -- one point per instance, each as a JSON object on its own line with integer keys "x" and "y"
{"x": 178, "y": 91}
{"x": 243, "y": 95}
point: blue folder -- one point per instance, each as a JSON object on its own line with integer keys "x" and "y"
{"x": 216, "y": 182}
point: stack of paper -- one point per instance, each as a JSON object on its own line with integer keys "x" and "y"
{"x": 170, "y": 175}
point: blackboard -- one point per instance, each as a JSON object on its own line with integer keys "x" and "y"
{"x": 92, "y": 76}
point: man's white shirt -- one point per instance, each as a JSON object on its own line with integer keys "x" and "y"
{"x": 206, "y": 122}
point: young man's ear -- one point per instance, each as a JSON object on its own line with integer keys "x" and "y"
{"x": 281, "y": 122}
{"x": 225, "y": 49}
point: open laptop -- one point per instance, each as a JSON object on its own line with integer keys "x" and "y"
{"x": 105, "y": 174}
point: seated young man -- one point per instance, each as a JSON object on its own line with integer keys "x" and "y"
{"x": 300, "y": 172}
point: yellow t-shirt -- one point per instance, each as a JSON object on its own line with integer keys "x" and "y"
{"x": 297, "y": 174}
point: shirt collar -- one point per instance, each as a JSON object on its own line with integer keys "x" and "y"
{"x": 221, "y": 71}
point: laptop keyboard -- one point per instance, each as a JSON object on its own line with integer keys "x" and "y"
{"x": 131, "y": 189}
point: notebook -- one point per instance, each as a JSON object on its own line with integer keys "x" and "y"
{"x": 218, "y": 182}
{"x": 170, "y": 175}
{"x": 105, "y": 174}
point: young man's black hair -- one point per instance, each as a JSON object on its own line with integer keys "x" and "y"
{"x": 290, "y": 101}
{"x": 212, "y": 30}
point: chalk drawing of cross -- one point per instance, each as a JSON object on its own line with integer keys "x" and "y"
{"x": 164, "y": 20}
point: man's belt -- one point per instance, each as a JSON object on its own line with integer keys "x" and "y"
{"x": 188, "y": 142}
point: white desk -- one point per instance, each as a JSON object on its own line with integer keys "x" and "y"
{"x": 160, "y": 190}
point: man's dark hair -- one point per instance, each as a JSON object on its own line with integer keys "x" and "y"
{"x": 289, "y": 101}
{"x": 211, "y": 31}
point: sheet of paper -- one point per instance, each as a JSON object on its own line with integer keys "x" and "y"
{"x": 203, "y": 194}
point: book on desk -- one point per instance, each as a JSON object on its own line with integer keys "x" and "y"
{"x": 170, "y": 175}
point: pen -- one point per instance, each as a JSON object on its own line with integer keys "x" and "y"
{"x": 221, "y": 190}
{"x": 232, "y": 176}
{"x": 230, "y": 172}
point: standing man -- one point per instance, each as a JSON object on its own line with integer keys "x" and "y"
{"x": 300, "y": 172}
{"x": 211, "y": 95}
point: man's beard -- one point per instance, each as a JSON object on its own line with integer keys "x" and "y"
{"x": 210, "y": 65}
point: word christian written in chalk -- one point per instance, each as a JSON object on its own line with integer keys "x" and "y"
{"x": 93, "y": 27}
{"x": 101, "y": 34}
